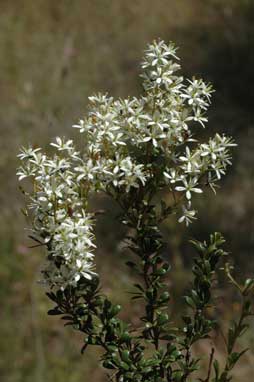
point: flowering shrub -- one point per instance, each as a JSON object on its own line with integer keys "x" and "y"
{"x": 131, "y": 150}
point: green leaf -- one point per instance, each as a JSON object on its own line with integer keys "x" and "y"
{"x": 54, "y": 312}
{"x": 216, "y": 368}
{"x": 189, "y": 301}
{"x": 162, "y": 319}
{"x": 125, "y": 356}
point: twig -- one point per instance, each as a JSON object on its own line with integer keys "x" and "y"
{"x": 210, "y": 366}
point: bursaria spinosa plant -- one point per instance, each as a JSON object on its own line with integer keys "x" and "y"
{"x": 132, "y": 149}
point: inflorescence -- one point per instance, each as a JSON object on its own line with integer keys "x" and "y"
{"x": 127, "y": 144}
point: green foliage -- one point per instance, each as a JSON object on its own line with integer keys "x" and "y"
{"x": 128, "y": 351}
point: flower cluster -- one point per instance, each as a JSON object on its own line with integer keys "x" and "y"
{"x": 126, "y": 144}
{"x": 60, "y": 221}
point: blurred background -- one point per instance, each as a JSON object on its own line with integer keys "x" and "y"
{"x": 53, "y": 55}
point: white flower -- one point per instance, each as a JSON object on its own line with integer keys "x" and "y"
{"x": 62, "y": 145}
{"x": 198, "y": 94}
{"x": 171, "y": 175}
{"x": 199, "y": 117}
{"x": 28, "y": 153}
{"x": 80, "y": 125}
{"x": 87, "y": 171}
{"x": 191, "y": 161}
{"x": 211, "y": 149}
{"x": 158, "y": 53}
{"x": 219, "y": 169}
{"x": 188, "y": 216}
{"x": 25, "y": 172}
{"x": 189, "y": 186}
